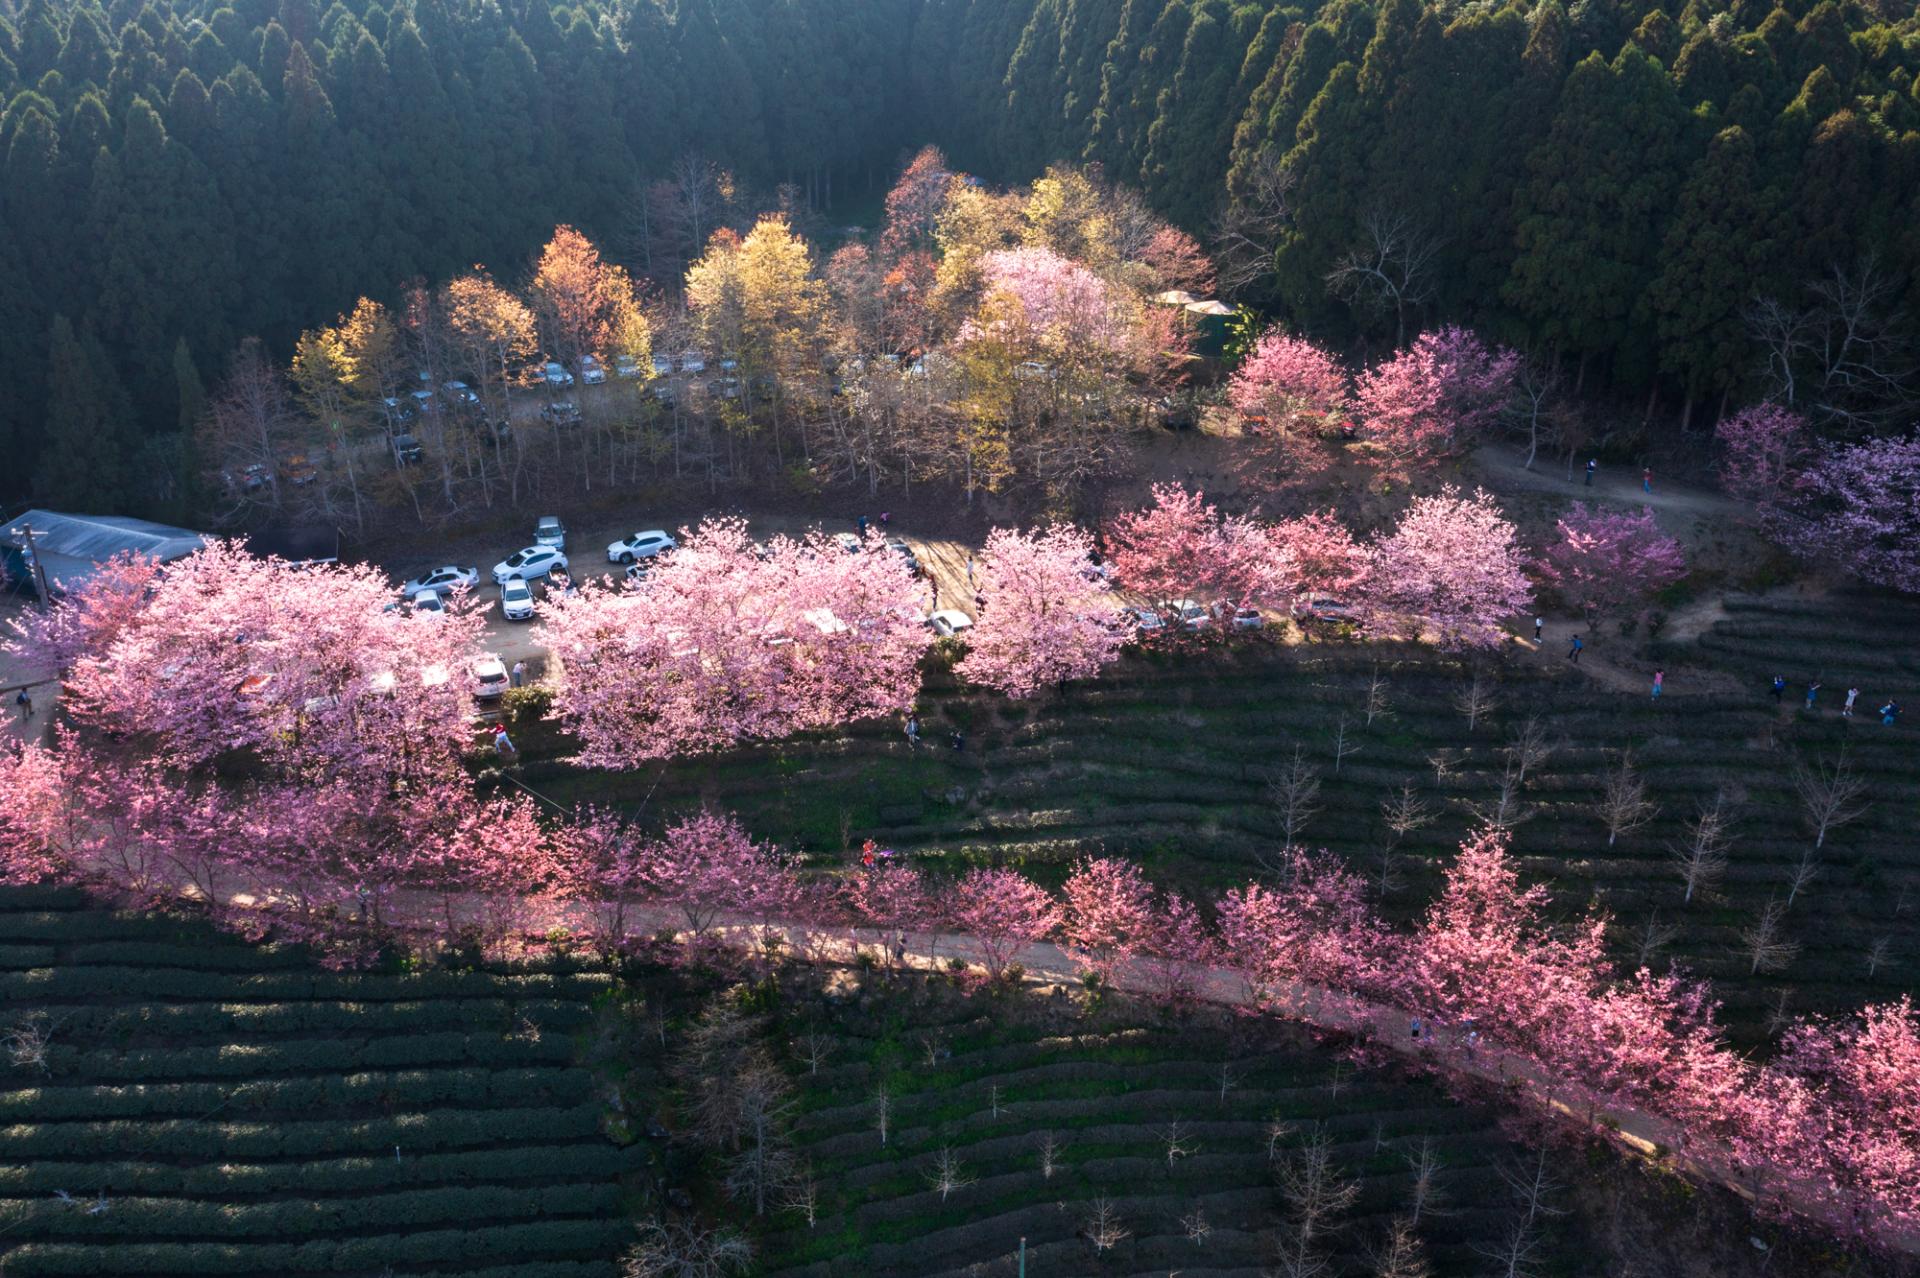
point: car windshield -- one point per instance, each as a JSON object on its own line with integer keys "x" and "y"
{"x": 518, "y": 557}
{"x": 515, "y": 589}
{"x": 549, "y": 526}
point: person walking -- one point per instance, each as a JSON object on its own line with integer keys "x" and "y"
{"x": 1573, "y": 653}
{"x": 1813, "y": 691}
{"x": 1539, "y": 625}
{"x": 519, "y": 674}
{"x": 862, "y": 521}
{"x": 25, "y": 701}
{"x": 502, "y": 743}
{"x": 886, "y": 517}
{"x": 1889, "y": 712}
{"x": 1779, "y": 687}
{"x": 1646, "y": 480}
{"x": 1592, "y": 463}
{"x": 1659, "y": 679}
{"x": 913, "y": 730}
{"x": 959, "y": 740}
{"x": 969, "y": 569}
{"x": 1846, "y": 711}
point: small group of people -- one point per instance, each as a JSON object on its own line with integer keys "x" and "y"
{"x": 957, "y": 739}
{"x": 1889, "y": 713}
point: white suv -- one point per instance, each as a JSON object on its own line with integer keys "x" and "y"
{"x": 642, "y": 545}
{"x": 530, "y": 564}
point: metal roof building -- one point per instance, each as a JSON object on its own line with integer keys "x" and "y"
{"x": 70, "y": 546}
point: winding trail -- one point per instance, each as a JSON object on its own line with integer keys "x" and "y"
{"x": 1518, "y": 1077}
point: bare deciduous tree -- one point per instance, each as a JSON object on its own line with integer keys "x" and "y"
{"x": 685, "y": 1250}
{"x": 1401, "y": 1254}
{"x": 803, "y": 1195}
{"x": 1050, "y": 1149}
{"x": 1402, "y": 812}
{"x": 1701, "y": 855}
{"x": 1177, "y": 1142}
{"x": 1343, "y": 745}
{"x": 882, "y": 1111}
{"x": 1519, "y": 1252}
{"x": 1536, "y": 388}
{"x": 1294, "y": 792}
{"x": 1444, "y": 764}
{"x": 1278, "y": 1130}
{"x": 1476, "y": 700}
{"x": 1530, "y": 746}
{"x": 993, "y": 1101}
{"x": 1378, "y": 705}
{"x": 1778, "y": 1018}
{"x": 1802, "y": 874}
{"x": 1102, "y": 1226}
{"x": 1194, "y": 1225}
{"x": 1428, "y": 1197}
{"x": 1316, "y": 1194}
{"x": 1256, "y": 217}
{"x": 1879, "y": 954}
{"x": 1653, "y": 938}
{"x": 1508, "y": 806}
{"x": 764, "y": 1164}
{"x": 947, "y": 1173}
{"x": 814, "y": 1048}
{"x": 1842, "y": 357}
{"x": 1765, "y": 945}
{"x": 1624, "y": 805}
{"x": 1831, "y": 794}
{"x": 1389, "y": 271}
{"x": 1229, "y": 1079}
{"x": 27, "y": 1042}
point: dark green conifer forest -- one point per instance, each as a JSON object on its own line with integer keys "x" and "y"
{"x": 1618, "y": 181}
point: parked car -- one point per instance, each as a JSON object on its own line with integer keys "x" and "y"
{"x": 561, "y": 412}
{"x": 501, "y": 430}
{"x": 424, "y": 402}
{"x": 902, "y": 549}
{"x": 724, "y": 388}
{"x": 298, "y": 471}
{"x": 549, "y": 531}
{"x": 530, "y": 564}
{"x": 626, "y": 367}
{"x": 639, "y": 572}
{"x": 592, "y": 371}
{"x": 693, "y": 362}
{"x": 1145, "y": 620}
{"x": 642, "y": 545}
{"x": 397, "y": 410}
{"x": 1322, "y": 608}
{"x": 949, "y": 622}
{"x": 847, "y": 542}
{"x": 440, "y": 581}
{"x": 663, "y": 366}
{"x": 1240, "y": 618}
{"x": 516, "y": 600}
{"x": 1192, "y": 615}
{"x": 729, "y": 364}
{"x": 255, "y": 477}
{"x": 459, "y": 393}
{"x": 407, "y": 450}
{"x": 489, "y": 678}
{"x": 429, "y": 603}
{"x": 556, "y": 374}
{"x": 663, "y": 391}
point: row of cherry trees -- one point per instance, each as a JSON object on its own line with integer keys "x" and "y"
{"x": 1832, "y": 1124}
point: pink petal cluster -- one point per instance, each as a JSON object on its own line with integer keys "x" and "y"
{"x": 1058, "y": 301}
{"x": 1763, "y": 450}
{"x": 1608, "y": 559}
{"x": 1452, "y": 564}
{"x": 1858, "y": 507}
{"x": 1045, "y": 617}
{"x": 1438, "y": 396}
{"x": 724, "y": 644}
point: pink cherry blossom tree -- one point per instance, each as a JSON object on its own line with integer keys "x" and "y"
{"x": 1763, "y": 450}
{"x": 1320, "y": 556}
{"x": 1290, "y": 384}
{"x": 1608, "y": 559}
{"x": 1864, "y": 1076}
{"x": 1046, "y": 618}
{"x": 1315, "y": 926}
{"x": 1180, "y": 939}
{"x": 891, "y": 895}
{"x": 85, "y": 621}
{"x": 1438, "y": 396}
{"x": 1056, "y": 302}
{"x": 1182, "y": 545}
{"x": 1109, "y": 914}
{"x": 306, "y": 670}
{"x": 1855, "y": 507}
{"x": 723, "y": 645}
{"x": 707, "y": 866}
{"x": 43, "y": 821}
{"x": 1002, "y": 911}
{"x": 1452, "y": 565}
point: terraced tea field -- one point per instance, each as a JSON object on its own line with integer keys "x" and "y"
{"x": 210, "y": 1107}
{"x": 1170, "y": 759}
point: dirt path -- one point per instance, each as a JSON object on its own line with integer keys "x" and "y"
{"x": 1445, "y": 1048}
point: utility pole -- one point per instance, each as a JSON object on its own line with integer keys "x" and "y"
{"x": 39, "y": 571}
{"x": 1023, "y": 1258}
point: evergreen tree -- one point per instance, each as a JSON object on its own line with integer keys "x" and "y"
{"x": 86, "y": 455}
